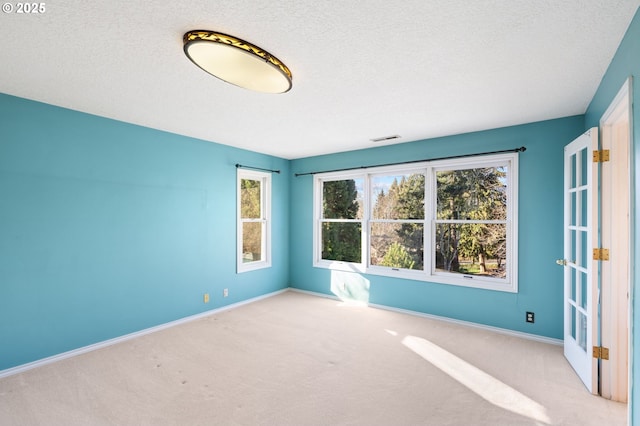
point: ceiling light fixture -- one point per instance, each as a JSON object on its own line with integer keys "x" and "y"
{"x": 237, "y": 61}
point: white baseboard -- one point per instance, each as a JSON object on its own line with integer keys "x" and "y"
{"x": 75, "y": 352}
{"x": 521, "y": 334}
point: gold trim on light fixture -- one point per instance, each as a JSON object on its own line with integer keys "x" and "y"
{"x": 237, "y": 61}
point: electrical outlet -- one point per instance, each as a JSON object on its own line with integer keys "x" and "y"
{"x": 225, "y": 292}
{"x": 531, "y": 317}
{"x": 206, "y": 298}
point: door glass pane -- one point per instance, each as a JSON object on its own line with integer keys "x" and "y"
{"x": 251, "y": 242}
{"x": 574, "y": 211}
{"x": 583, "y": 248}
{"x": 572, "y": 165}
{"x": 574, "y": 245}
{"x": 573, "y": 322}
{"x": 342, "y": 241}
{"x": 583, "y": 290}
{"x": 584, "y": 164}
{"x": 582, "y": 199}
{"x": 573, "y": 294}
{"x": 582, "y": 340}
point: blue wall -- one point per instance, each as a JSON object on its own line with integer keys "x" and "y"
{"x": 540, "y": 229}
{"x": 108, "y": 228}
{"x": 626, "y": 63}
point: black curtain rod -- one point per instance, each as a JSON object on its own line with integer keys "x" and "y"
{"x": 521, "y": 149}
{"x": 238, "y": 166}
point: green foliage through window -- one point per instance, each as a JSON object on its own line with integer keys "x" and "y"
{"x": 397, "y": 228}
{"x": 251, "y": 215}
{"x": 447, "y": 218}
{"x": 470, "y": 201}
{"x": 341, "y": 239}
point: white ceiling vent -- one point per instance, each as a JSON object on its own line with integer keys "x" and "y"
{"x": 385, "y": 138}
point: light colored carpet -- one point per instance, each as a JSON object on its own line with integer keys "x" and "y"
{"x": 296, "y": 359}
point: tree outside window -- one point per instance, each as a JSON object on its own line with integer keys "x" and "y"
{"x": 341, "y": 221}
{"x": 253, "y": 220}
{"x": 471, "y": 234}
{"x": 450, "y": 221}
{"x": 397, "y": 222}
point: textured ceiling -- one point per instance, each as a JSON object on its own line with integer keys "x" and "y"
{"x": 361, "y": 70}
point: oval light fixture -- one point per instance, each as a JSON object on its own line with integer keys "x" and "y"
{"x": 237, "y": 61}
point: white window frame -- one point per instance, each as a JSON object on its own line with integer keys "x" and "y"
{"x": 265, "y": 220}
{"x": 429, "y": 274}
{"x": 317, "y": 220}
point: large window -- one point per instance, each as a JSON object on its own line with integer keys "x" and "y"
{"x": 254, "y": 228}
{"x": 451, "y": 222}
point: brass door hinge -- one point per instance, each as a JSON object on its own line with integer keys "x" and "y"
{"x": 600, "y": 352}
{"x": 601, "y": 156}
{"x": 600, "y": 254}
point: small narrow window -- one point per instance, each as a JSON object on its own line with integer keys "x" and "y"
{"x": 254, "y": 226}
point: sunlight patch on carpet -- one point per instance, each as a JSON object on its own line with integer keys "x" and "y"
{"x": 476, "y": 380}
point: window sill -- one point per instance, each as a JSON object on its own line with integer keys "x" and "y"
{"x": 472, "y": 281}
{"x": 253, "y": 266}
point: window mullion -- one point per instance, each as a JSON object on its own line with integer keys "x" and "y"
{"x": 366, "y": 222}
{"x": 430, "y": 205}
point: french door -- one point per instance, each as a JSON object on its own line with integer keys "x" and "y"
{"x": 580, "y": 274}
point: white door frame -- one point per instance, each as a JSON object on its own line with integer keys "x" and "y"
{"x": 615, "y": 206}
